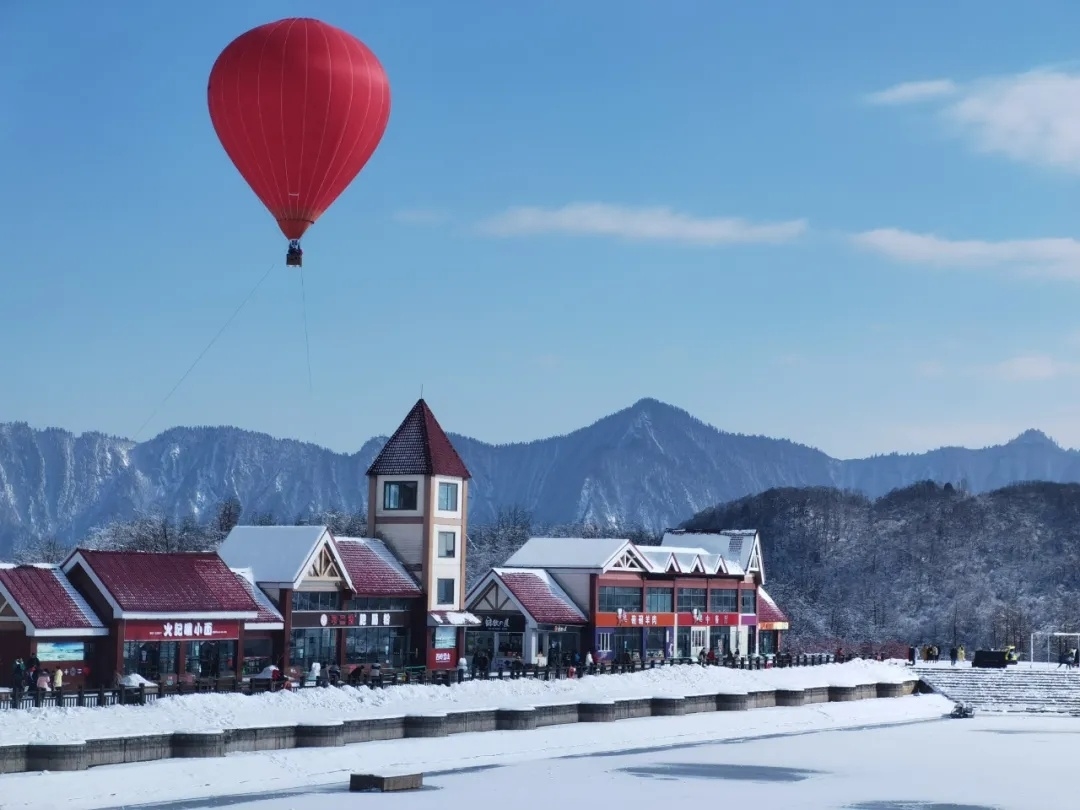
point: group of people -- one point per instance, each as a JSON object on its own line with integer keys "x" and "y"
{"x": 30, "y": 674}
{"x": 930, "y": 652}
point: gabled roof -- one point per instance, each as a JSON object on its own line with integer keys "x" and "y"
{"x": 540, "y": 596}
{"x": 279, "y": 555}
{"x": 42, "y": 597}
{"x": 738, "y": 547}
{"x": 419, "y": 447}
{"x": 661, "y": 559}
{"x": 269, "y": 617}
{"x": 593, "y": 553}
{"x": 373, "y": 568}
{"x": 178, "y": 584}
{"x": 767, "y": 610}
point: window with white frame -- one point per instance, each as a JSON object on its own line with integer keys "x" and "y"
{"x": 448, "y": 497}
{"x": 603, "y": 642}
{"x": 447, "y": 545}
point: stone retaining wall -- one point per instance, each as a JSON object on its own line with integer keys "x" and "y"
{"x": 78, "y": 756}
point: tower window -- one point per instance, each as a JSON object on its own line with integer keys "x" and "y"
{"x": 447, "y": 497}
{"x": 445, "y": 591}
{"x": 399, "y": 496}
{"x": 447, "y": 545}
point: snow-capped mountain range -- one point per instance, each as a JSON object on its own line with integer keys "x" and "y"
{"x": 650, "y": 465}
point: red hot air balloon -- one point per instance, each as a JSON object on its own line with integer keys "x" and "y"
{"x": 299, "y": 106}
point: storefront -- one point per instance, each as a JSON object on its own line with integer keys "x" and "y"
{"x": 771, "y": 623}
{"x": 367, "y": 631}
{"x": 181, "y": 650}
{"x": 447, "y": 636}
{"x": 43, "y": 618}
{"x": 525, "y": 616}
{"x": 499, "y": 637}
{"x": 172, "y": 617}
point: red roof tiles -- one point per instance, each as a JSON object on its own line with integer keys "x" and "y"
{"x": 767, "y": 609}
{"x": 141, "y": 582}
{"x": 45, "y": 599}
{"x": 419, "y": 447}
{"x": 544, "y": 604}
{"x": 373, "y": 569}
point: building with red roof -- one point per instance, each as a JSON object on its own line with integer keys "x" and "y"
{"x": 42, "y": 616}
{"x": 557, "y": 596}
{"x": 175, "y": 616}
{"x": 392, "y": 598}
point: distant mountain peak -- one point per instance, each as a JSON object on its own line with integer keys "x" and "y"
{"x": 1034, "y": 438}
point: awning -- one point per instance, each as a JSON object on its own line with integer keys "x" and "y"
{"x": 452, "y": 618}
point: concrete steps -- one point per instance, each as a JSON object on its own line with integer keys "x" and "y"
{"x": 1017, "y": 688}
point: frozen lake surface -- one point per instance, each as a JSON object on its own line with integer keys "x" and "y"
{"x": 827, "y": 756}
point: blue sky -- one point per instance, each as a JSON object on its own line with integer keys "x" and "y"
{"x": 850, "y": 225}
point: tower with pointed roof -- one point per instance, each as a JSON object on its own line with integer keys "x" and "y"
{"x": 418, "y": 498}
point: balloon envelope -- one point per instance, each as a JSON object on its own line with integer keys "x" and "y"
{"x": 299, "y": 106}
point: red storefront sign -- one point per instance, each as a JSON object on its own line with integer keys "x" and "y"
{"x": 699, "y": 618}
{"x": 185, "y": 630}
{"x": 696, "y": 618}
{"x": 441, "y": 659}
{"x": 627, "y": 619}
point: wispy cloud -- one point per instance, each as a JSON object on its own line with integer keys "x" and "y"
{"x": 1029, "y": 117}
{"x": 1058, "y": 258}
{"x": 422, "y": 216}
{"x": 1031, "y": 368}
{"x": 644, "y": 224}
{"x": 912, "y": 92}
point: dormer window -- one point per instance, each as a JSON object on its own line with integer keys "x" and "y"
{"x": 399, "y": 496}
{"x": 448, "y": 495}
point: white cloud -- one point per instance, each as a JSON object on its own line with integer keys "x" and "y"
{"x": 646, "y": 224}
{"x": 1031, "y": 117}
{"x": 913, "y": 92}
{"x": 1053, "y": 257}
{"x": 1031, "y": 368}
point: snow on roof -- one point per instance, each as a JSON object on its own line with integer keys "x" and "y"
{"x": 273, "y": 553}
{"x": 768, "y": 611}
{"x": 541, "y": 596}
{"x": 734, "y": 545}
{"x": 566, "y": 552}
{"x": 46, "y": 598}
{"x": 455, "y": 618}
{"x": 373, "y": 568}
{"x": 658, "y": 558}
{"x": 268, "y": 612}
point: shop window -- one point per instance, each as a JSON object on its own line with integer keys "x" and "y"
{"x": 656, "y": 642}
{"x": 691, "y": 599}
{"x": 448, "y": 501}
{"x": 768, "y": 642}
{"x": 445, "y": 638}
{"x": 682, "y": 643}
{"x": 258, "y": 655}
{"x": 445, "y": 591}
{"x": 658, "y": 600}
{"x": 748, "y": 602}
{"x": 310, "y": 645}
{"x": 399, "y": 496}
{"x": 447, "y": 545}
{"x": 154, "y": 660}
{"x": 316, "y": 600}
{"x": 724, "y": 601}
{"x": 210, "y": 659}
{"x": 370, "y": 645}
{"x": 613, "y": 597}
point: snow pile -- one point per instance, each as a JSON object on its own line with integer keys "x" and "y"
{"x": 215, "y": 711}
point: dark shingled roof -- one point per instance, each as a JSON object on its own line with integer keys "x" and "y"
{"x": 419, "y": 447}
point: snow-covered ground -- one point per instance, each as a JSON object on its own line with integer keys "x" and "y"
{"x": 209, "y": 712}
{"x": 707, "y": 755}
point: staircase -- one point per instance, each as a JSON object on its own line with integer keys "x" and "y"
{"x": 1019, "y": 688}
